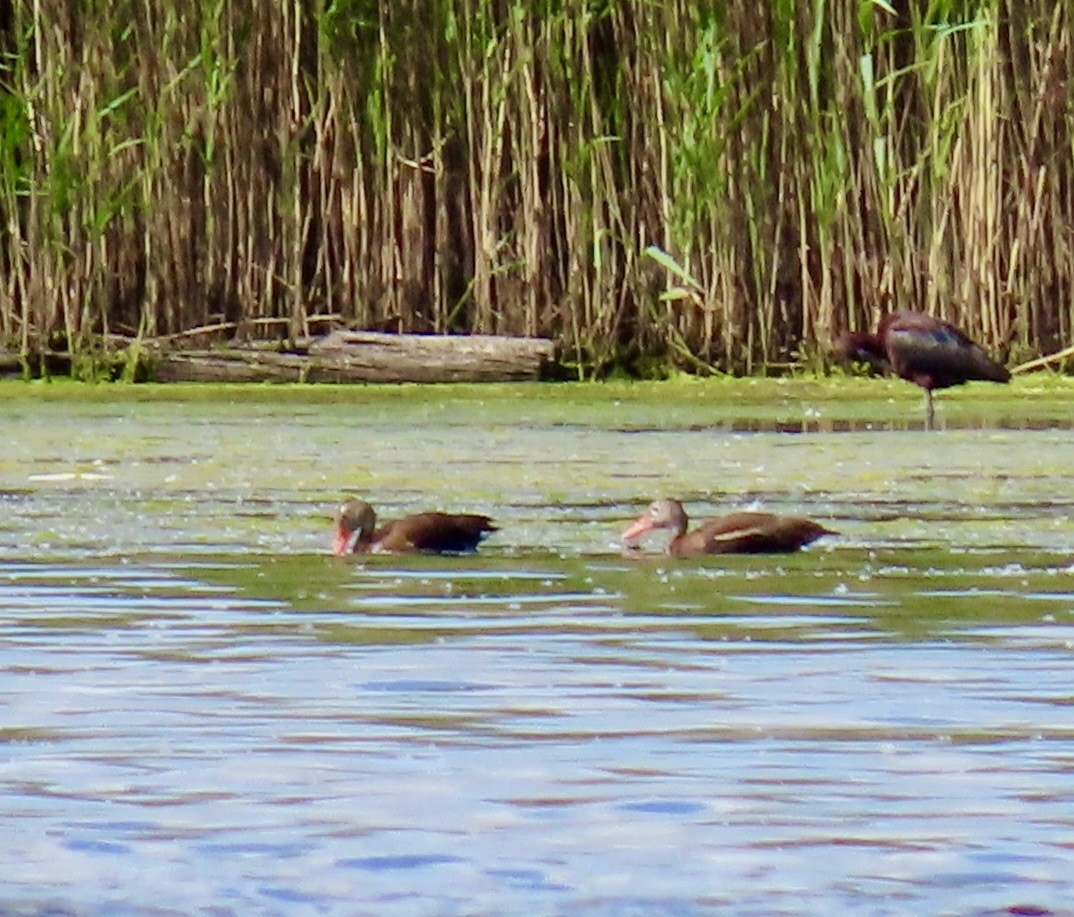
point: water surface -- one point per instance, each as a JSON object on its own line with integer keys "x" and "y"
{"x": 203, "y": 711}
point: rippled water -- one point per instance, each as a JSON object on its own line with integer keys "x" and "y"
{"x": 202, "y": 711}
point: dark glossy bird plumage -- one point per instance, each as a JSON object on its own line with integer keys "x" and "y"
{"x": 737, "y": 533}
{"x": 924, "y": 350}
{"x": 425, "y": 533}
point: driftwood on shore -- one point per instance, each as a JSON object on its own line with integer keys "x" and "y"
{"x": 365, "y": 356}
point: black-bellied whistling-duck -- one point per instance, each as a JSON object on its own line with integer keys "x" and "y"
{"x": 428, "y": 533}
{"x": 923, "y": 350}
{"x": 738, "y": 533}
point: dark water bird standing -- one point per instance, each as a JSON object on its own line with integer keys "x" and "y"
{"x": 924, "y": 350}
{"x": 425, "y": 533}
{"x": 737, "y": 533}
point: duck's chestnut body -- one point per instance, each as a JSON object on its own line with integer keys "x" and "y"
{"x": 737, "y": 533}
{"x": 425, "y": 533}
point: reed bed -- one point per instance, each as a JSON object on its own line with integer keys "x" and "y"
{"x": 715, "y": 185}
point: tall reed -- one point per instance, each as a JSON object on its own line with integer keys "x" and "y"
{"x": 717, "y": 185}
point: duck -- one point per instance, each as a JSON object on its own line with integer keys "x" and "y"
{"x": 422, "y": 533}
{"x": 736, "y": 533}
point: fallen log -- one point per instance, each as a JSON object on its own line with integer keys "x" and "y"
{"x": 366, "y": 356}
{"x": 229, "y": 366}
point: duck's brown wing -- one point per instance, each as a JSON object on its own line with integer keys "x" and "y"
{"x": 434, "y": 533}
{"x": 750, "y": 533}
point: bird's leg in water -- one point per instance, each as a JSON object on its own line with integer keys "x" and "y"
{"x": 929, "y": 415}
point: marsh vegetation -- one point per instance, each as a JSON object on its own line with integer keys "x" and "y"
{"x": 696, "y": 184}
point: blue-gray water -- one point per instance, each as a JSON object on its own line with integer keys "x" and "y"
{"x": 202, "y": 711}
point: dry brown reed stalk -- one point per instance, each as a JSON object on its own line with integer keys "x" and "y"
{"x": 505, "y": 165}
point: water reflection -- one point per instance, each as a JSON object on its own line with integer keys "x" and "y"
{"x": 1013, "y": 421}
